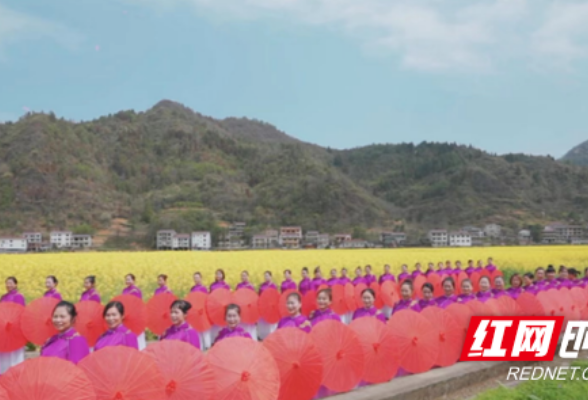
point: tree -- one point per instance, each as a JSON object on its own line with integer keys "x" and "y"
{"x": 359, "y": 233}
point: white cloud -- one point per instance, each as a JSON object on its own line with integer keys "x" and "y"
{"x": 455, "y": 35}
{"x": 16, "y": 26}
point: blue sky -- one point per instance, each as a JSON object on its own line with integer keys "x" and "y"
{"x": 502, "y": 75}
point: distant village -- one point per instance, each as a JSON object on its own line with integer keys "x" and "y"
{"x": 293, "y": 237}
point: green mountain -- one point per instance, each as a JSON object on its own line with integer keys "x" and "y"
{"x": 174, "y": 168}
{"x": 578, "y": 155}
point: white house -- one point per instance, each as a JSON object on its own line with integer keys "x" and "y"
{"x": 182, "y": 241}
{"x": 460, "y": 239}
{"x": 61, "y": 239}
{"x": 201, "y": 241}
{"x": 473, "y": 231}
{"x": 33, "y": 237}
{"x": 354, "y": 244}
{"x": 438, "y": 237}
{"x": 291, "y": 236}
{"x": 493, "y": 230}
{"x": 323, "y": 241}
{"x": 82, "y": 241}
{"x": 13, "y": 244}
{"x": 165, "y": 239}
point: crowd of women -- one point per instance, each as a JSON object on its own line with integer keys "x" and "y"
{"x": 70, "y": 345}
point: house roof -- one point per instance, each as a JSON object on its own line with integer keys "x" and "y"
{"x": 59, "y": 232}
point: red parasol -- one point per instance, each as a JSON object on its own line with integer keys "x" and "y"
{"x": 216, "y": 303}
{"x": 89, "y": 322}
{"x": 341, "y": 353}
{"x": 186, "y": 372}
{"x": 479, "y": 309}
{"x": 461, "y": 314}
{"x": 493, "y": 307}
{"x": 530, "y": 305}
{"x": 417, "y": 285}
{"x": 120, "y": 372}
{"x": 269, "y": 305}
{"x": 3, "y": 394}
{"x": 299, "y": 363}
{"x": 46, "y": 378}
{"x": 323, "y": 286}
{"x": 550, "y": 303}
{"x": 37, "y": 320}
{"x": 244, "y": 370}
{"x": 378, "y": 349}
{"x": 389, "y": 293}
{"x": 416, "y": 341}
{"x": 339, "y": 304}
{"x": 247, "y": 299}
{"x": 308, "y": 302}
{"x": 493, "y": 275}
{"x": 350, "y": 297}
{"x": 135, "y": 313}
{"x": 572, "y": 310}
{"x": 284, "y": 301}
{"x": 460, "y": 278}
{"x": 158, "y": 312}
{"x": 379, "y": 303}
{"x": 197, "y": 316}
{"x": 475, "y": 278}
{"x": 509, "y": 307}
{"x": 435, "y": 280}
{"x": 358, "y": 290}
{"x": 580, "y": 297}
{"x": 11, "y": 336}
{"x": 450, "y": 335}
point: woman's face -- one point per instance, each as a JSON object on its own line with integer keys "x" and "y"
{"x": 113, "y": 318}
{"x": 387, "y": 269}
{"x": 197, "y": 279}
{"x": 427, "y": 293}
{"x": 484, "y": 285}
{"x": 129, "y": 280}
{"x": 466, "y": 288}
{"x": 62, "y": 321}
{"x": 516, "y": 282}
{"x": 550, "y": 276}
{"x": 358, "y": 272}
{"x": 177, "y": 316}
{"x": 344, "y": 272}
{"x": 244, "y": 277}
{"x": 480, "y": 264}
{"x": 87, "y": 284}
{"x": 293, "y": 306}
{"x": 304, "y": 273}
{"x": 540, "y": 275}
{"x": 448, "y": 288}
{"x": 368, "y": 270}
{"x": 323, "y": 302}
{"x": 499, "y": 284}
{"x": 287, "y": 275}
{"x": 368, "y": 299}
{"x": 49, "y": 284}
{"x": 233, "y": 318}
{"x": 333, "y": 273}
{"x": 218, "y": 275}
{"x": 10, "y": 285}
{"x": 406, "y": 292}
{"x": 440, "y": 266}
{"x": 268, "y": 277}
{"x": 564, "y": 274}
{"x": 318, "y": 274}
{"x": 160, "y": 281}
{"x": 405, "y": 268}
{"x": 418, "y": 266}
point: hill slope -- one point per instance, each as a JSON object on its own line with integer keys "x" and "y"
{"x": 172, "y": 167}
{"x": 578, "y": 155}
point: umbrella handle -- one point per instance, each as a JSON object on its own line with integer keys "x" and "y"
{"x": 171, "y": 387}
{"x": 245, "y": 376}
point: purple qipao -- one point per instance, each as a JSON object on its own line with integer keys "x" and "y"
{"x": 119, "y": 336}
{"x": 13, "y": 297}
{"x": 514, "y": 292}
{"x": 369, "y": 312}
{"x": 300, "y": 322}
{"x": 227, "y": 332}
{"x": 369, "y": 279}
{"x": 133, "y": 291}
{"x": 69, "y": 346}
{"x": 322, "y": 315}
{"x": 406, "y": 305}
{"x": 423, "y": 303}
{"x": 387, "y": 277}
{"x": 404, "y": 275}
{"x": 245, "y": 285}
{"x": 53, "y": 293}
{"x": 344, "y": 280}
{"x": 305, "y": 286}
{"x": 317, "y": 282}
{"x": 161, "y": 290}
{"x": 90, "y": 295}
{"x": 184, "y": 333}
{"x": 288, "y": 284}
{"x": 334, "y": 281}
{"x": 219, "y": 285}
{"x": 359, "y": 280}
{"x": 199, "y": 288}
{"x": 446, "y": 301}
{"x": 484, "y": 296}
{"x": 267, "y": 285}
{"x": 465, "y": 298}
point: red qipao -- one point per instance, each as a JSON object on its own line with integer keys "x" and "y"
{"x": 134, "y": 291}
{"x": 323, "y": 315}
{"x": 53, "y": 293}
{"x": 14, "y": 297}
{"x": 69, "y": 345}
{"x": 90, "y": 295}
{"x": 369, "y": 312}
{"x": 300, "y": 322}
{"x": 227, "y": 332}
{"x": 184, "y": 333}
{"x": 119, "y": 336}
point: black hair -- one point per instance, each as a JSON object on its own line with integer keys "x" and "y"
{"x": 550, "y": 270}
{"x": 317, "y": 269}
{"x": 245, "y": 272}
{"x": 328, "y": 292}
{"x": 539, "y": 269}
{"x": 91, "y": 279}
{"x": 162, "y": 276}
{"x": 54, "y": 279}
{"x": 198, "y": 273}
{"x": 288, "y": 271}
{"x": 529, "y": 275}
{"x": 468, "y": 280}
{"x": 517, "y": 276}
{"x": 69, "y": 307}
{"x": 573, "y": 272}
{"x": 428, "y": 286}
{"x": 114, "y": 304}
{"x": 562, "y": 268}
{"x": 268, "y": 272}
{"x": 181, "y": 305}
{"x": 132, "y": 277}
{"x": 296, "y": 295}
{"x": 450, "y": 280}
{"x": 222, "y": 273}
{"x": 233, "y": 307}
{"x": 408, "y": 283}
{"x": 484, "y": 277}
{"x": 13, "y": 279}
{"x": 370, "y": 291}
{"x": 305, "y": 269}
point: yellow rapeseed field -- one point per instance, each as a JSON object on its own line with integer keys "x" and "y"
{"x": 110, "y": 268}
